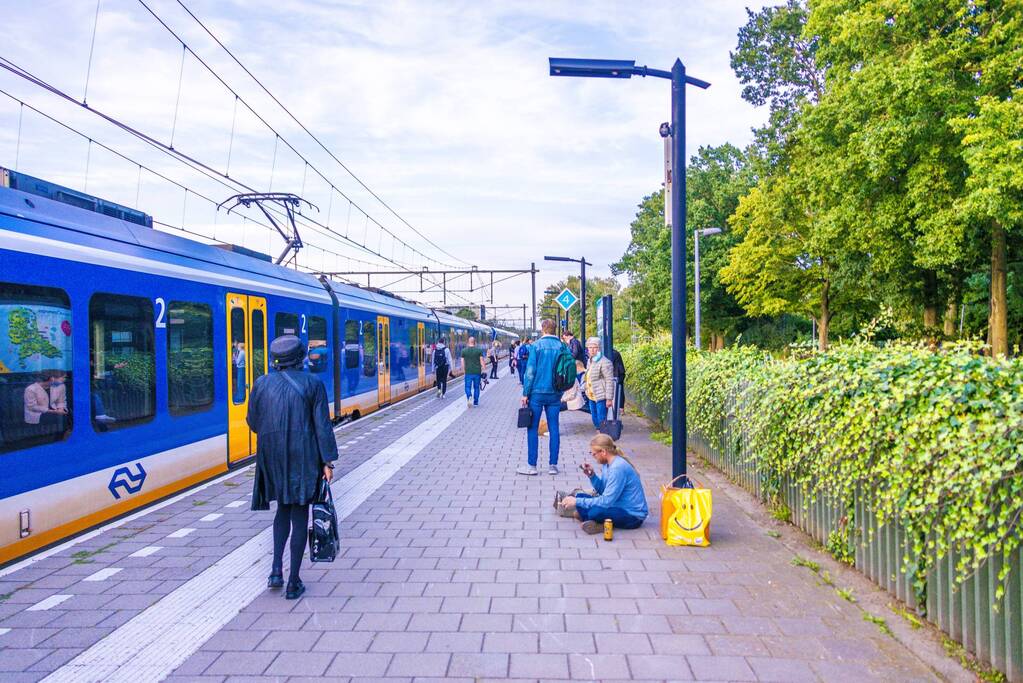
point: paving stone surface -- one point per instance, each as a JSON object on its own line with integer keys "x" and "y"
{"x": 458, "y": 569}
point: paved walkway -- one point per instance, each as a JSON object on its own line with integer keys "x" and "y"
{"x": 453, "y": 568}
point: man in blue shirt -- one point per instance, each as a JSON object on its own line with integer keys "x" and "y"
{"x": 539, "y": 394}
{"x": 620, "y": 495}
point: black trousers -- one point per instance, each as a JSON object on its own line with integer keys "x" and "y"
{"x": 293, "y": 518}
{"x": 442, "y": 379}
{"x": 493, "y": 367}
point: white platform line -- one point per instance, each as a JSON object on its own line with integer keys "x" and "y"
{"x": 212, "y": 517}
{"x": 236, "y": 503}
{"x": 147, "y": 551}
{"x": 4, "y": 630}
{"x": 47, "y": 603}
{"x": 102, "y": 574}
{"x": 160, "y": 638}
{"x": 180, "y": 533}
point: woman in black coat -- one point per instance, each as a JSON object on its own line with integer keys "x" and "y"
{"x": 289, "y": 412}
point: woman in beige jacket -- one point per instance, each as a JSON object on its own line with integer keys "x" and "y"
{"x": 600, "y": 382}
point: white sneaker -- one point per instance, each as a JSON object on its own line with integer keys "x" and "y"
{"x": 553, "y": 469}
{"x": 105, "y": 419}
{"x": 439, "y": 394}
{"x": 526, "y": 469}
{"x": 468, "y": 403}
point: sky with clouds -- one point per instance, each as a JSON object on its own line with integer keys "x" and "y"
{"x": 444, "y": 109}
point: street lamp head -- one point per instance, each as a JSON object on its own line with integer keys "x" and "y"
{"x": 665, "y": 130}
{"x": 560, "y": 258}
{"x": 710, "y": 231}
{"x": 592, "y": 68}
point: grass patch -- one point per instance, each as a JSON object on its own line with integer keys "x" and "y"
{"x": 983, "y": 672}
{"x": 914, "y": 622}
{"x": 826, "y": 578}
{"x": 85, "y": 556}
{"x": 197, "y": 503}
{"x": 5, "y": 596}
{"x": 798, "y": 561}
{"x": 780, "y": 511}
{"x": 838, "y": 546}
{"x": 881, "y": 624}
{"x": 846, "y": 594}
{"x": 772, "y": 533}
{"x": 661, "y": 437}
{"x": 231, "y": 483}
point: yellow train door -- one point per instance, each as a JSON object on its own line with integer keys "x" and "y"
{"x": 421, "y": 353}
{"x": 383, "y": 360}
{"x": 246, "y": 362}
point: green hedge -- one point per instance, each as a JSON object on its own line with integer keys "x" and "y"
{"x": 934, "y": 440}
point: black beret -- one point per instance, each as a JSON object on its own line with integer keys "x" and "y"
{"x": 287, "y": 350}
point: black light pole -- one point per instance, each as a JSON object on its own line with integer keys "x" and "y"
{"x": 611, "y": 68}
{"x": 582, "y": 289}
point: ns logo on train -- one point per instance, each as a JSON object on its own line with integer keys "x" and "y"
{"x": 124, "y": 478}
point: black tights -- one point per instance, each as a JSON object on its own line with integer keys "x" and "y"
{"x": 297, "y": 518}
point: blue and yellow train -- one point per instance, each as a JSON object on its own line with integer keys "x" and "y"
{"x": 127, "y": 354}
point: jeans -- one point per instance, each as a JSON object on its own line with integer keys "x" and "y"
{"x": 472, "y": 388}
{"x": 540, "y": 404}
{"x": 522, "y": 372}
{"x": 493, "y": 367}
{"x": 598, "y": 411}
{"x": 619, "y": 517}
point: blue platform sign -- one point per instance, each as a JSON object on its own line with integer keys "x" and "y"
{"x": 567, "y": 299}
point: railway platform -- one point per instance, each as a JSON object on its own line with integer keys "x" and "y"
{"x": 453, "y": 567}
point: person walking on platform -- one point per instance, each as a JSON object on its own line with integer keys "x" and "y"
{"x": 619, "y": 491}
{"x": 288, "y": 411}
{"x": 495, "y": 351}
{"x": 442, "y": 366}
{"x": 539, "y": 393}
{"x": 473, "y": 365}
{"x": 600, "y": 382}
{"x": 522, "y": 359}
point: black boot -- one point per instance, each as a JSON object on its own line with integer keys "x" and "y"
{"x": 276, "y": 579}
{"x": 295, "y": 590}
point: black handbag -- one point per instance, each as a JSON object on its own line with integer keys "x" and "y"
{"x": 324, "y": 541}
{"x": 611, "y": 425}
{"x": 525, "y": 417}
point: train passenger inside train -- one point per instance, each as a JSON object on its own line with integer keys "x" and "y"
{"x": 46, "y": 402}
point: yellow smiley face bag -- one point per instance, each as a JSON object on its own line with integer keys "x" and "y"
{"x": 685, "y": 514}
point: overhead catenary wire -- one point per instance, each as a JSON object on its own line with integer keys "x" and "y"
{"x": 312, "y": 135}
{"x": 269, "y": 127}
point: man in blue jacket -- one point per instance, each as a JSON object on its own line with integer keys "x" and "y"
{"x": 539, "y": 394}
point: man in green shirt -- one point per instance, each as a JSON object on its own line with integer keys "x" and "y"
{"x": 473, "y": 364}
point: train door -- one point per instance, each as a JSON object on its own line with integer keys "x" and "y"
{"x": 421, "y": 338}
{"x": 383, "y": 359}
{"x": 246, "y": 357}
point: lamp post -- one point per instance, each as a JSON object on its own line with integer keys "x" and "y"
{"x": 555, "y": 306}
{"x": 696, "y": 259}
{"x": 582, "y": 289}
{"x": 611, "y": 68}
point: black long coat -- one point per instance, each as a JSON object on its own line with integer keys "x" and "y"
{"x": 295, "y": 438}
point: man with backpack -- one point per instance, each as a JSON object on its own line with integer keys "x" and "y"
{"x": 549, "y": 371}
{"x": 521, "y": 358}
{"x": 442, "y": 366}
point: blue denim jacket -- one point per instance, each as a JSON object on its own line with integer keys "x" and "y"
{"x": 539, "y": 377}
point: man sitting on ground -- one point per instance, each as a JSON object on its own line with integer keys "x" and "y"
{"x": 620, "y": 495}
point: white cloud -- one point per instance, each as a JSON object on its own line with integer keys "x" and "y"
{"x": 445, "y": 109}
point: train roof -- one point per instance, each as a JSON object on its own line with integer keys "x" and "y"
{"x": 65, "y": 230}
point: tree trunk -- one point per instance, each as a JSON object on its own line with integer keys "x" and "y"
{"x": 951, "y": 316}
{"x": 825, "y": 317}
{"x": 930, "y": 299}
{"x": 998, "y": 324}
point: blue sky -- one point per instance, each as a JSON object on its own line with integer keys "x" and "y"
{"x": 445, "y": 109}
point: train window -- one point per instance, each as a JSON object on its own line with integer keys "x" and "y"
{"x": 369, "y": 348}
{"x": 189, "y": 358}
{"x": 319, "y": 353}
{"x": 351, "y": 344}
{"x": 238, "y": 356}
{"x": 258, "y": 356}
{"x": 122, "y": 365}
{"x": 35, "y": 366}
{"x": 413, "y": 346}
{"x": 286, "y": 323}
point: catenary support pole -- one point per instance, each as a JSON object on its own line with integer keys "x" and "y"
{"x": 532, "y": 273}
{"x": 582, "y": 302}
{"x": 696, "y": 297}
